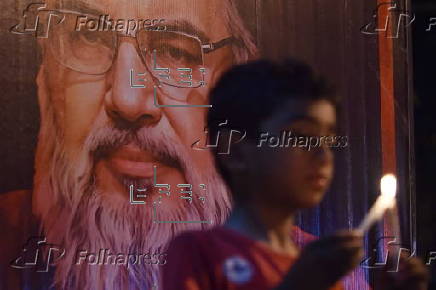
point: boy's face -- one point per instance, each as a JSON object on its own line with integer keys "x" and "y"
{"x": 294, "y": 175}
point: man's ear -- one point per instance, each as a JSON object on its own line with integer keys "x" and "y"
{"x": 43, "y": 95}
{"x": 41, "y": 185}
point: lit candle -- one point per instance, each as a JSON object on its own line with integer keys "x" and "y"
{"x": 386, "y": 200}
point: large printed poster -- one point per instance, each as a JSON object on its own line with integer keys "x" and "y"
{"x": 111, "y": 97}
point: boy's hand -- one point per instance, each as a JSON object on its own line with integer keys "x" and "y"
{"x": 324, "y": 262}
{"x": 412, "y": 275}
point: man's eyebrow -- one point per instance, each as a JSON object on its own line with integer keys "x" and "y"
{"x": 78, "y": 6}
{"x": 187, "y": 27}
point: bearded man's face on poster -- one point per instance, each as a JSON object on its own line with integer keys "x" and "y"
{"x": 120, "y": 110}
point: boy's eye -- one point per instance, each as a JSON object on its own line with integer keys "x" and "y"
{"x": 306, "y": 134}
{"x": 304, "y": 129}
{"x": 299, "y": 135}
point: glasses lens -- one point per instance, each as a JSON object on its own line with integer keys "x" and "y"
{"x": 85, "y": 50}
{"x": 174, "y": 59}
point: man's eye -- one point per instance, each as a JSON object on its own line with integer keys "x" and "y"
{"x": 177, "y": 54}
{"x": 87, "y": 37}
{"x": 92, "y": 38}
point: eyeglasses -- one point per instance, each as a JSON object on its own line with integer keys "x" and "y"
{"x": 162, "y": 51}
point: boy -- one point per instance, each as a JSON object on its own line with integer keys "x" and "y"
{"x": 270, "y": 182}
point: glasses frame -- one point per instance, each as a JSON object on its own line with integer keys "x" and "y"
{"x": 206, "y": 48}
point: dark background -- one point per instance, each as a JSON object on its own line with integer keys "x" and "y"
{"x": 424, "y": 59}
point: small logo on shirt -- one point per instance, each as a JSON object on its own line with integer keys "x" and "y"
{"x": 238, "y": 270}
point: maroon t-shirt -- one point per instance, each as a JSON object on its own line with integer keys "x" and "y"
{"x": 223, "y": 259}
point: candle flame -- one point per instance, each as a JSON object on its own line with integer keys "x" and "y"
{"x": 388, "y": 185}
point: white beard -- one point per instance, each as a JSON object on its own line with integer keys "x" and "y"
{"x": 78, "y": 217}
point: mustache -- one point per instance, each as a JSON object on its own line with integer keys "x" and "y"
{"x": 159, "y": 143}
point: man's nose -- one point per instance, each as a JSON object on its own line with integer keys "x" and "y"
{"x": 131, "y": 101}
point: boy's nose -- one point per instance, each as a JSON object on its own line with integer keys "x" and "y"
{"x": 323, "y": 154}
